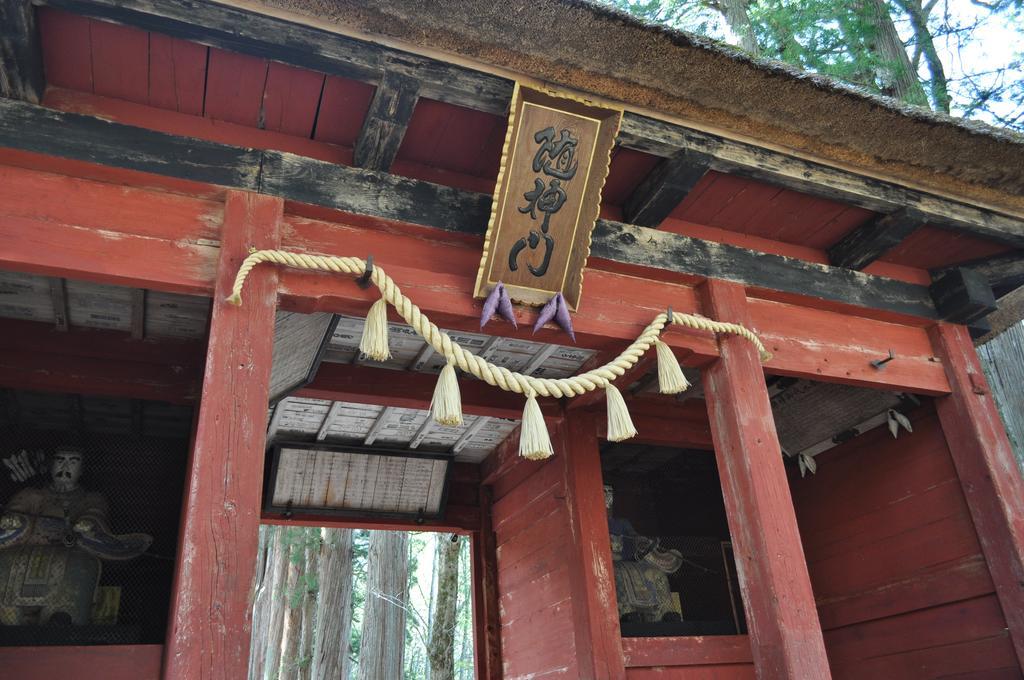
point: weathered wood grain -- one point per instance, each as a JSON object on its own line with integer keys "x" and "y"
{"x": 665, "y": 187}
{"x": 688, "y": 651}
{"x": 683, "y": 254}
{"x": 785, "y": 634}
{"x": 665, "y": 139}
{"x": 870, "y": 241}
{"x": 386, "y": 121}
{"x": 1003, "y": 272}
{"x": 962, "y": 296}
{"x": 209, "y": 629}
{"x": 1002, "y": 357}
{"x": 988, "y": 471}
{"x": 21, "y": 54}
{"x": 99, "y": 662}
{"x": 255, "y": 34}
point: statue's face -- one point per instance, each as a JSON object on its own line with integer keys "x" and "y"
{"x": 66, "y": 469}
{"x": 609, "y": 496}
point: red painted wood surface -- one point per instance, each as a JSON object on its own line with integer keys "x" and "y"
{"x": 486, "y": 595}
{"x": 209, "y": 629}
{"x": 531, "y": 526}
{"x": 596, "y": 617}
{"x": 988, "y": 472}
{"x": 177, "y": 74}
{"x": 104, "y": 233}
{"x": 120, "y": 62}
{"x": 454, "y": 138}
{"x": 290, "y": 100}
{"x": 903, "y": 589}
{"x": 234, "y": 87}
{"x": 687, "y": 651}
{"x": 343, "y": 107}
{"x": 100, "y": 662}
{"x": 784, "y": 631}
{"x": 67, "y": 49}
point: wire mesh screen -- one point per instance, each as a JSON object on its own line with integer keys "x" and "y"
{"x": 141, "y": 478}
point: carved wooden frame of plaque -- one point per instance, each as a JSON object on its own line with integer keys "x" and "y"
{"x": 512, "y": 227}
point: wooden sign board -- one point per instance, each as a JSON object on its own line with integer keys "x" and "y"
{"x": 554, "y": 164}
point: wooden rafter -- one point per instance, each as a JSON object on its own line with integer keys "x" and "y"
{"x": 307, "y": 47}
{"x": 386, "y": 121}
{"x": 1002, "y": 271}
{"x": 665, "y": 188}
{"x": 870, "y": 241}
{"x": 21, "y": 54}
{"x": 360, "y": 191}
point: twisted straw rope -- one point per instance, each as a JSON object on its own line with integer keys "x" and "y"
{"x": 498, "y": 376}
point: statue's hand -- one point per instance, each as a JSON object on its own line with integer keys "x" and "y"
{"x": 23, "y": 465}
{"x": 8, "y": 522}
{"x": 84, "y": 526}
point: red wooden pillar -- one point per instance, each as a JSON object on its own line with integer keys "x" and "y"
{"x": 785, "y": 634}
{"x": 208, "y": 633}
{"x": 592, "y": 576}
{"x": 988, "y": 472}
{"x": 486, "y": 619}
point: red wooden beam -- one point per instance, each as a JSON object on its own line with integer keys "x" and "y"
{"x": 595, "y": 614}
{"x": 686, "y": 651}
{"x": 98, "y": 232}
{"x": 210, "y": 621}
{"x": 95, "y": 662}
{"x": 988, "y": 472}
{"x": 405, "y": 389}
{"x": 785, "y": 634}
{"x": 486, "y": 611}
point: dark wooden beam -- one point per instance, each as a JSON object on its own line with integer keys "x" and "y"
{"x": 665, "y": 188}
{"x": 1003, "y": 272}
{"x": 870, "y": 241}
{"x": 738, "y": 158}
{"x": 962, "y": 296}
{"x": 268, "y": 37}
{"x": 675, "y": 252}
{"x": 21, "y": 56}
{"x": 386, "y": 121}
{"x": 85, "y": 138}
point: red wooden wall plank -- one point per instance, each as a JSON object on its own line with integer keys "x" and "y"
{"x": 988, "y": 471}
{"x": 100, "y": 662}
{"x": 120, "y": 62}
{"x": 234, "y": 87}
{"x": 291, "y": 99}
{"x": 67, "y": 49}
{"x": 784, "y": 631}
{"x": 716, "y": 672}
{"x": 687, "y": 651}
{"x": 177, "y": 74}
{"x": 590, "y": 556}
{"x": 210, "y": 622}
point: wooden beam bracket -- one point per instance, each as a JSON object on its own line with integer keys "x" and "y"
{"x": 665, "y": 187}
{"x": 870, "y": 241}
{"x": 962, "y": 296}
{"x": 386, "y": 121}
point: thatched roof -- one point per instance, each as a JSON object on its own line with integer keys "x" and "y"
{"x": 597, "y": 49}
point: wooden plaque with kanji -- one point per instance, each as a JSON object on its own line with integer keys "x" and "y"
{"x": 547, "y": 198}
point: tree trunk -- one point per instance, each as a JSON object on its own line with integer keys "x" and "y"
{"x": 260, "y": 605}
{"x": 898, "y": 77}
{"x": 310, "y": 580}
{"x": 938, "y": 84}
{"x": 383, "y": 634}
{"x": 276, "y": 602}
{"x": 293, "y": 607}
{"x": 737, "y": 16}
{"x": 442, "y": 631}
{"x": 334, "y": 610}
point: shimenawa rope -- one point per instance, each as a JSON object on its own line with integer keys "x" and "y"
{"x": 534, "y": 440}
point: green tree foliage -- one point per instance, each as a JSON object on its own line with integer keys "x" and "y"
{"x": 964, "y": 57}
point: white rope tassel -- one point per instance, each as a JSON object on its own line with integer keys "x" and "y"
{"x": 534, "y": 441}
{"x": 620, "y": 425}
{"x": 374, "y": 343}
{"x": 670, "y": 376}
{"x": 447, "y": 402}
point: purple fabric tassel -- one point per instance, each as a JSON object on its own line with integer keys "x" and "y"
{"x": 497, "y": 301}
{"x": 547, "y": 313}
{"x": 505, "y": 307}
{"x": 563, "y": 318}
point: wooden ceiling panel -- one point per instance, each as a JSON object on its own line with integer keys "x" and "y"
{"x": 177, "y": 74}
{"x": 930, "y": 247}
{"x": 67, "y": 49}
{"x": 454, "y": 138}
{"x": 120, "y": 62}
{"x": 234, "y": 87}
{"x": 291, "y": 100}
{"x": 628, "y": 169}
{"x": 343, "y": 107}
